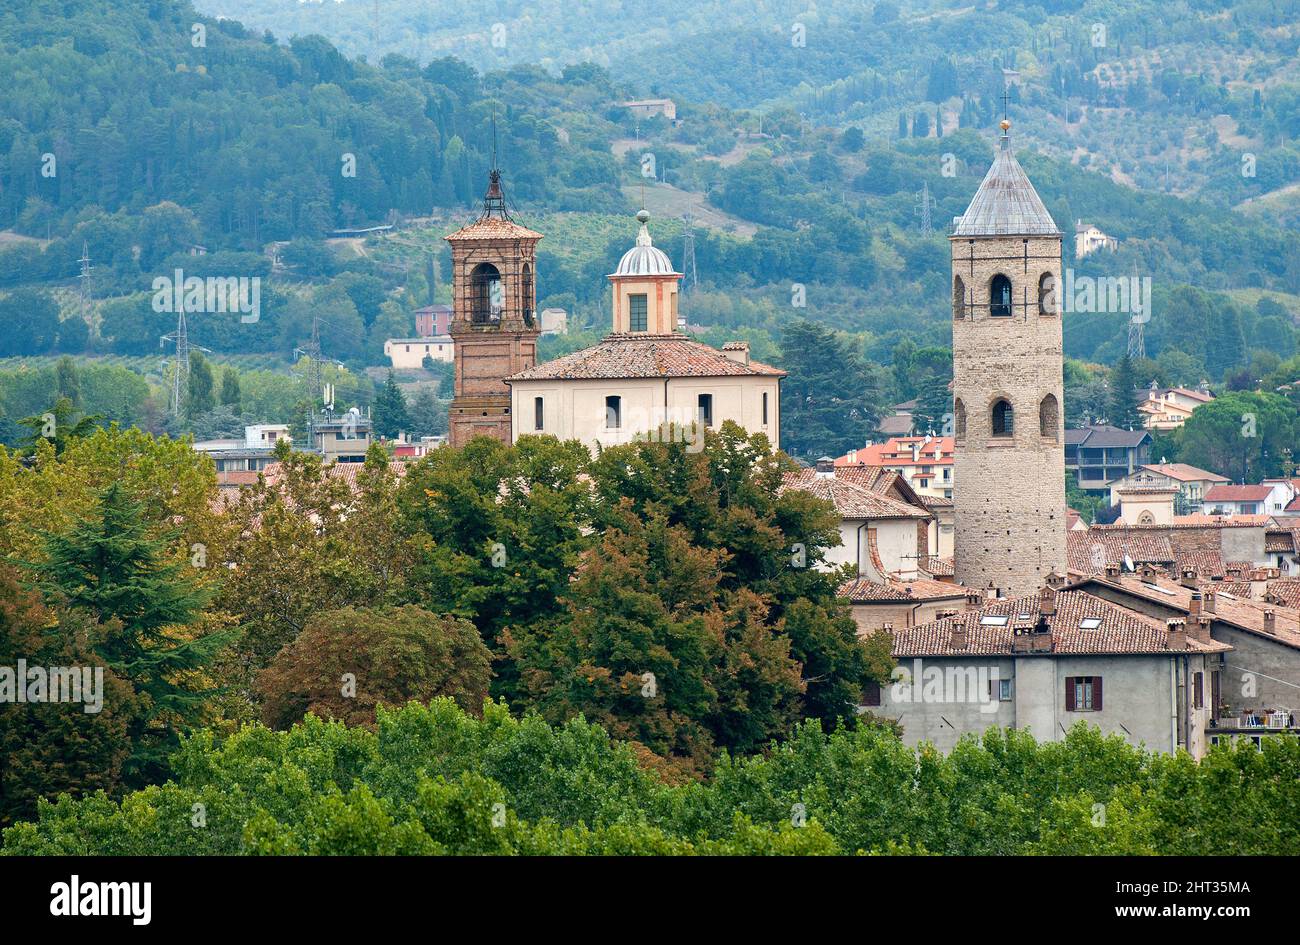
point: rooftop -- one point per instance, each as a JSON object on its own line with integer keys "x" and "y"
{"x": 851, "y": 500}
{"x": 1006, "y": 203}
{"x": 641, "y": 355}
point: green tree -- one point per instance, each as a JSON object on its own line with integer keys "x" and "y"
{"x": 230, "y": 393}
{"x": 345, "y": 663}
{"x": 110, "y": 566}
{"x": 833, "y": 397}
{"x": 390, "y": 416}
{"x": 1123, "y": 386}
{"x": 200, "y": 395}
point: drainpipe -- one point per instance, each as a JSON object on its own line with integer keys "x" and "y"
{"x": 1173, "y": 705}
{"x": 858, "y": 544}
{"x": 1187, "y": 704}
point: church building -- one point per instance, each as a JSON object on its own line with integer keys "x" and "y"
{"x": 1009, "y": 464}
{"x": 645, "y": 373}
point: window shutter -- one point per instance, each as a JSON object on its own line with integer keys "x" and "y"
{"x": 1096, "y": 693}
{"x": 871, "y": 693}
{"x": 1069, "y": 694}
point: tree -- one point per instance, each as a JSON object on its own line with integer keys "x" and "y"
{"x": 47, "y": 747}
{"x": 390, "y": 416}
{"x": 1123, "y": 412}
{"x": 200, "y": 395}
{"x": 832, "y": 397}
{"x": 31, "y": 320}
{"x": 67, "y": 383}
{"x": 1242, "y": 434}
{"x": 110, "y": 566}
{"x": 230, "y": 393}
{"x": 60, "y": 425}
{"x": 346, "y": 663}
{"x": 428, "y": 414}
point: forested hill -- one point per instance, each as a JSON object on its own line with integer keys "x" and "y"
{"x": 143, "y": 102}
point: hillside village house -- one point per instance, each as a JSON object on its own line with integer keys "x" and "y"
{"x": 645, "y": 374}
{"x": 1264, "y": 499}
{"x": 1088, "y": 239}
{"x": 1099, "y": 455}
{"x": 1167, "y": 408}
{"x": 926, "y": 462}
{"x": 1191, "y": 483}
{"x": 1047, "y": 661}
{"x": 408, "y": 354}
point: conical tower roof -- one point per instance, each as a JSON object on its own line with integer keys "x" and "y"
{"x": 1006, "y": 203}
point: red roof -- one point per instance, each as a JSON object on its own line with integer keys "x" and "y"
{"x": 1231, "y": 493}
{"x": 897, "y": 451}
{"x": 639, "y": 355}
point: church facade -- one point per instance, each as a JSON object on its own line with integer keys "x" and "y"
{"x": 645, "y": 377}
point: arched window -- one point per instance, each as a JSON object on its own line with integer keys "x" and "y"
{"x": 1049, "y": 303}
{"x": 486, "y": 296}
{"x": 1003, "y": 418}
{"x": 1049, "y": 416}
{"x": 959, "y": 419}
{"x": 958, "y": 298}
{"x": 1146, "y": 518}
{"x": 528, "y": 302}
{"x": 1000, "y": 296}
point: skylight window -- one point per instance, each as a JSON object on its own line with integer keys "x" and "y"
{"x": 1090, "y": 623}
{"x": 993, "y": 620}
{"x": 1157, "y": 588}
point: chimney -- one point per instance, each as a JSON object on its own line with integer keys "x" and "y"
{"x": 1047, "y": 601}
{"x": 1194, "y": 607}
{"x": 1055, "y": 580}
{"x": 1148, "y": 572}
{"x": 737, "y": 350}
{"x": 1189, "y": 578}
{"x": 1208, "y": 597}
{"x": 825, "y": 467}
{"x": 1177, "y": 634}
{"x": 1270, "y": 622}
{"x": 958, "y": 639}
{"x": 1112, "y": 572}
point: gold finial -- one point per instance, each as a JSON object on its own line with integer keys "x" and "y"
{"x": 1004, "y": 124}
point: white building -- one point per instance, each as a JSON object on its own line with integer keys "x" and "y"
{"x": 409, "y": 353}
{"x": 645, "y": 374}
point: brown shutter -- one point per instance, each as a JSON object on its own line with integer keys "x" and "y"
{"x": 871, "y": 693}
{"x": 1069, "y": 694}
{"x": 1096, "y": 693}
{"x": 1215, "y": 700}
{"x": 1199, "y": 680}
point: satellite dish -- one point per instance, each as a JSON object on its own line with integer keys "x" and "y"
{"x": 1128, "y": 564}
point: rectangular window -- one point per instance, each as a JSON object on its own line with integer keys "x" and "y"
{"x": 613, "y": 413}
{"x": 705, "y": 409}
{"x": 871, "y": 693}
{"x": 1083, "y": 694}
{"x": 636, "y": 312}
{"x": 1198, "y": 690}
{"x": 765, "y": 409}
{"x": 1004, "y": 690}
{"x": 538, "y": 413}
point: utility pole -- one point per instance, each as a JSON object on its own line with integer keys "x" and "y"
{"x": 86, "y": 267}
{"x": 181, "y": 362}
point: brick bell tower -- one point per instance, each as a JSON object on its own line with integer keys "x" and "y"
{"x": 1009, "y": 468}
{"x": 494, "y": 324}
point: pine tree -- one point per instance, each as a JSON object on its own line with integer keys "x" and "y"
{"x": 230, "y": 392}
{"x": 1123, "y": 393}
{"x": 200, "y": 397}
{"x": 390, "y": 414}
{"x": 110, "y": 566}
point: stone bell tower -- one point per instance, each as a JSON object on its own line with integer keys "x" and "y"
{"x": 1009, "y": 467}
{"x": 494, "y": 325}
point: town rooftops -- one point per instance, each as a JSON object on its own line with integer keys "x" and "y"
{"x": 1105, "y": 437}
{"x": 1232, "y": 493}
{"x": 1181, "y": 472}
{"x": 1090, "y": 551}
{"x": 621, "y": 355}
{"x": 865, "y": 591}
{"x": 903, "y": 451}
{"x": 1006, "y": 203}
{"x": 850, "y": 499}
{"x": 1248, "y": 615}
{"x": 1079, "y": 623}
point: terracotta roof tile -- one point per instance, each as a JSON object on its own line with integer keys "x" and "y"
{"x": 864, "y": 590}
{"x": 1120, "y": 632}
{"x": 850, "y": 499}
{"x": 640, "y": 355}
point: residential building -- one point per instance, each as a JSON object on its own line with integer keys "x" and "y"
{"x": 1099, "y": 455}
{"x": 650, "y": 107}
{"x": 408, "y": 354}
{"x": 555, "y": 321}
{"x": 342, "y": 439}
{"x": 433, "y": 321}
{"x": 1046, "y": 661}
{"x": 1167, "y": 408}
{"x": 1230, "y": 499}
{"x": 646, "y": 378}
{"x": 1088, "y": 240}
{"x": 1008, "y": 470}
{"x": 926, "y": 462}
{"x": 252, "y": 453}
{"x": 1191, "y": 483}
{"x": 1146, "y": 505}
{"x": 1252, "y": 690}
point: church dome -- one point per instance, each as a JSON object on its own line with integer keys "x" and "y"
{"x": 644, "y": 259}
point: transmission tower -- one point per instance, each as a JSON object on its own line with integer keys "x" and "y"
{"x": 1137, "y": 345}
{"x": 86, "y": 267}
{"x": 691, "y": 275}
{"x": 315, "y": 362}
{"x": 925, "y": 204}
{"x": 181, "y": 362}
